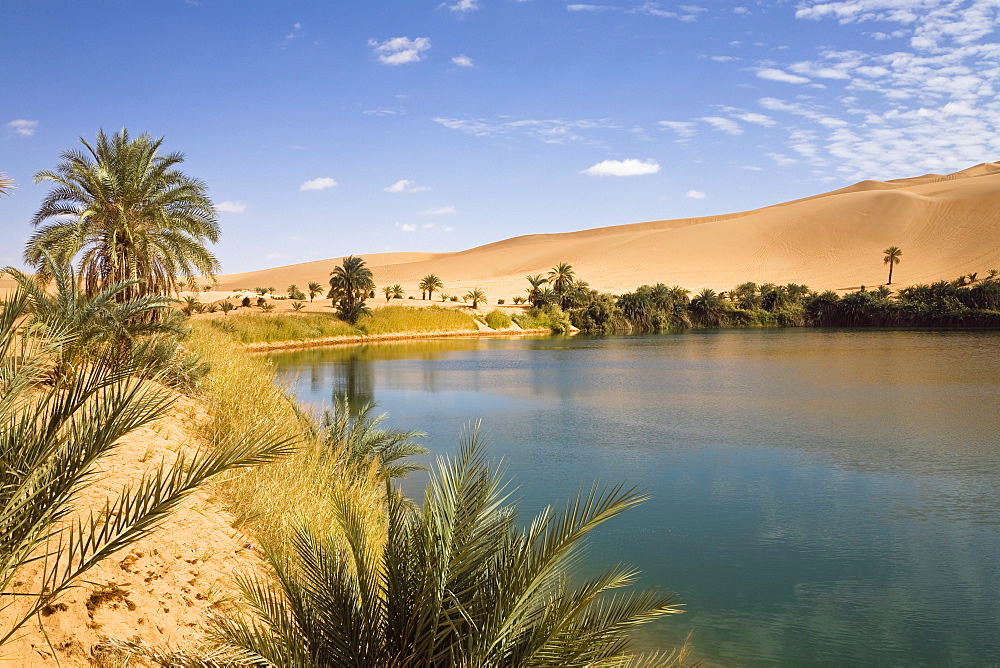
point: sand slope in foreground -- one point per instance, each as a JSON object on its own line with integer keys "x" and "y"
{"x": 947, "y": 225}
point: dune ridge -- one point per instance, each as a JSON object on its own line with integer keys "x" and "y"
{"x": 945, "y": 224}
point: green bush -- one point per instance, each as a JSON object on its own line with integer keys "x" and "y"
{"x": 497, "y": 319}
{"x": 549, "y": 316}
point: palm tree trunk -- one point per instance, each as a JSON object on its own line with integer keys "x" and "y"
{"x": 890, "y": 273}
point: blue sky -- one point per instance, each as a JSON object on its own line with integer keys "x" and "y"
{"x": 330, "y": 128}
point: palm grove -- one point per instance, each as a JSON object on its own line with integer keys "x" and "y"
{"x": 91, "y": 351}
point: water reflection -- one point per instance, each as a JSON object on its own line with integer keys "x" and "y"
{"x": 818, "y": 497}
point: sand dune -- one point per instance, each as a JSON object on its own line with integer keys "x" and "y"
{"x": 947, "y": 225}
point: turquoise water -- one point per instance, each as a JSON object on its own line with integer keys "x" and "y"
{"x": 818, "y": 497}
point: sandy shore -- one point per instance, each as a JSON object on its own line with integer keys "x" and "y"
{"x": 397, "y": 336}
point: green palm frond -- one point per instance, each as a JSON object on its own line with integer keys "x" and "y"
{"x": 456, "y": 583}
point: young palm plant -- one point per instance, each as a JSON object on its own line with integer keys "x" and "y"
{"x": 53, "y": 436}
{"x": 361, "y": 440}
{"x": 476, "y": 296}
{"x": 456, "y": 583}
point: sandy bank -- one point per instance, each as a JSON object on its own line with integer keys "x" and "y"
{"x": 378, "y": 338}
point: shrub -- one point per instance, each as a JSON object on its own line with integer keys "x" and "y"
{"x": 497, "y": 319}
{"x": 298, "y": 306}
{"x": 500, "y": 301}
{"x": 549, "y": 316}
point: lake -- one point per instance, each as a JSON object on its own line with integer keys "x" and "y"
{"x": 818, "y": 497}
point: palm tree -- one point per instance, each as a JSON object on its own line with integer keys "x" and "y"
{"x": 561, "y": 278}
{"x": 350, "y": 284}
{"x": 477, "y": 295}
{"x": 429, "y": 284}
{"x": 314, "y": 289}
{"x": 356, "y": 433}
{"x": 53, "y": 438}
{"x": 387, "y": 290}
{"x": 398, "y": 292}
{"x": 891, "y": 258}
{"x": 128, "y": 215}
{"x": 456, "y": 583}
{"x": 708, "y": 306}
{"x": 535, "y": 291}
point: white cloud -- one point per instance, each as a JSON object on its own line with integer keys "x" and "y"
{"x": 230, "y": 207}
{"x": 653, "y": 9}
{"x": 439, "y": 211}
{"x": 742, "y": 11}
{"x": 408, "y": 227}
{"x": 772, "y": 74}
{"x": 548, "y": 131}
{"x": 405, "y": 186}
{"x": 696, "y": 194}
{"x": 757, "y": 119}
{"x": 463, "y": 6}
{"x": 400, "y": 50}
{"x": 23, "y": 127}
{"x": 627, "y": 167}
{"x": 319, "y": 184}
{"x": 682, "y": 128}
{"x": 781, "y": 159}
{"x": 724, "y": 59}
{"x": 721, "y": 124}
{"x": 463, "y": 61}
{"x": 589, "y": 8}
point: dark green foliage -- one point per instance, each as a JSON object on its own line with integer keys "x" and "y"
{"x": 350, "y": 285}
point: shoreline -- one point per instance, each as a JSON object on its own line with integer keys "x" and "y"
{"x": 268, "y": 346}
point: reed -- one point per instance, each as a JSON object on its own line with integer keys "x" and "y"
{"x": 397, "y": 319}
{"x": 261, "y": 327}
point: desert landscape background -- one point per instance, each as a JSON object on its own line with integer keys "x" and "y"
{"x": 945, "y": 224}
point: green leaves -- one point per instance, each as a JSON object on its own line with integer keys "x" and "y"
{"x": 455, "y": 583}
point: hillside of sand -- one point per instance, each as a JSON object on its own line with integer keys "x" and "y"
{"x": 946, "y": 225}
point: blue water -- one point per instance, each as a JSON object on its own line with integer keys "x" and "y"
{"x": 817, "y": 497}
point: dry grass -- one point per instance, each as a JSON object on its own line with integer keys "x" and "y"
{"x": 272, "y": 500}
{"x": 265, "y": 327}
{"x": 395, "y": 319}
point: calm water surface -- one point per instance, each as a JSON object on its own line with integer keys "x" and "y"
{"x": 818, "y": 497}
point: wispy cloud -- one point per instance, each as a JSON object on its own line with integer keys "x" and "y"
{"x": 729, "y": 126}
{"x": 683, "y": 129}
{"x": 439, "y": 211}
{"x": 549, "y": 131}
{"x": 230, "y": 207}
{"x": 462, "y": 6}
{"x": 319, "y": 184}
{"x": 589, "y": 8}
{"x": 772, "y": 74}
{"x": 627, "y": 167}
{"x": 405, "y": 186}
{"x": 400, "y": 50}
{"x": 696, "y": 194}
{"x": 463, "y": 61}
{"x": 23, "y": 127}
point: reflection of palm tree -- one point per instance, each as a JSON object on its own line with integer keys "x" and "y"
{"x": 128, "y": 214}
{"x": 355, "y": 381}
{"x": 454, "y": 582}
{"x": 891, "y": 258}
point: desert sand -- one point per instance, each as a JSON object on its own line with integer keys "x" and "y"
{"x": 946, "y": 225}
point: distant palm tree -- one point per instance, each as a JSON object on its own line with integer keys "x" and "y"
{"x": 708, "y": 306}
{"x": 891, "y": 258}
{"x": 314, "y": 289}
{"x": 398, "y": 292}
{"x": 458, "y": 582}
{"x": 128, "y": 215}
{"x": 476, "y": 295}
{"x": 350, "y": 283}
{"x": 429, "y": 284}
{"x": 387, "y": 290}
{"x": 561, "y": 279}
{"x": 535, "y": 291}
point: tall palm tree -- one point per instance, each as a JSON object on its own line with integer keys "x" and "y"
{"x": 429, "y": 284}
{"x": 891, "y": 258}
{"x": 535, "y": 291}
{"x": 128, "y": 215}
{"x": 456, "y": 583}
{"x": 561, "y": 279}
{"x": 53, "y": 439}
{"x": 477, "y": 295}
{"x": 350, "y": 283}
